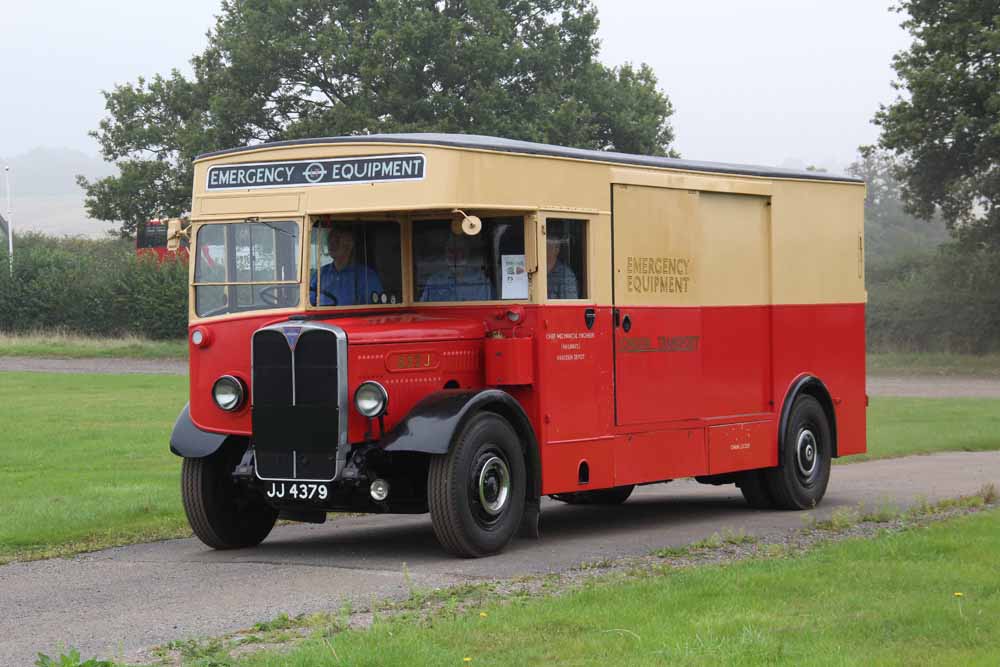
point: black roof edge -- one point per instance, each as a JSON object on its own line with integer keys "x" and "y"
{"x": 480, "y": 142}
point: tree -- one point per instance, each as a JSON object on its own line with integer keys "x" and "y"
{"x": 945, "y": 132}
{"x": 284, "y": 69}
{"x": 894, "y": 240}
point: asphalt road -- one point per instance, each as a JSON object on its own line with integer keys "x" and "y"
{"x": 116, "y": 603}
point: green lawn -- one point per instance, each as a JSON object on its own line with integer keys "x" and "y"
{"x": 885, "y": 601}
{"x": 933, "y": 363}
{"x": 84, "y": 461}
{"x": 903, "y": 426}
{"x": 69, "y": 346}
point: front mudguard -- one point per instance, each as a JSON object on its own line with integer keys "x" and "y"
{"x": 189, "y": 441}
{"x": 433, "y": 424}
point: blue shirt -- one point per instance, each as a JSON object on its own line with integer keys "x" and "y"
{"x": 351, "y": 286}
{"x": 447, "y": 286}
{"x": 562, "y": 282}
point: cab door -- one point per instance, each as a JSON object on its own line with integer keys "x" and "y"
{"x": 657, "y": 312}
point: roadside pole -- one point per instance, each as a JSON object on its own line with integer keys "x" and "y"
{"x": 10, "y": 223}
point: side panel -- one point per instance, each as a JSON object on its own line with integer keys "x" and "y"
{"x": 659, "y": 455}
{"x": 827, "y": 341}
{"x": 741, "y": 447}
{"x": 658, "y": 341}
{"x": 734, "y": 278}
{"x": 693, "y": 290}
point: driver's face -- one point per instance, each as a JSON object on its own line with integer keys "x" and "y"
{"x": 340, "y": 243}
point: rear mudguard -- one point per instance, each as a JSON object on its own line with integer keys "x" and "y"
{"x": 433, "y": 423}
{"x": 191, "y": 442}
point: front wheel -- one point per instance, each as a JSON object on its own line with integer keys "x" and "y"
{"x": 222, "y": 514}
{"x": 799, "y": 482}
{"x": 476, "y": 491}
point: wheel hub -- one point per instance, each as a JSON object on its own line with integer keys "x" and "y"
{"x": 494, "y": 485}
{"x": 806, "y": 454}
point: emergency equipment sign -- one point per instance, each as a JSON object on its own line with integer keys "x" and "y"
{"x": 302, "y": 173}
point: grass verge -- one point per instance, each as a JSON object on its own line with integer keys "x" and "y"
{"x": 928, "y": 363}
{"x": 84, "y": 462}
{"x": 905, "y": 426}
{"x": 71, "y": 346}
{"x": 928, "y": 595}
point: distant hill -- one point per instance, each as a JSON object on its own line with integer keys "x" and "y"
{"x": 46, "y": 197}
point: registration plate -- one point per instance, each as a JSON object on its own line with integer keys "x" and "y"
{"x": 298, "y": 491}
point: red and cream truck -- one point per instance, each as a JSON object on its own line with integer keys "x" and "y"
{"x": 462, "y": 325}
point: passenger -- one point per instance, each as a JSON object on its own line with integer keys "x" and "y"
{"x": 344, "y": 282}
{"x": 562, "y": 280}
{"x": 462, "y": 280}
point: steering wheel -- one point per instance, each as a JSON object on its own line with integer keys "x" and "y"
{"x": 330, "y": 295}
{"x": 274, "y": 295}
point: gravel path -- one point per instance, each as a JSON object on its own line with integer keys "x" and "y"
{"x": 934, "y": 387}
{"x": 121, "y": 601}
{"x": 113, "y": 366}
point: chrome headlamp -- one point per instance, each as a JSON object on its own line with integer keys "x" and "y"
{"x": 228, "y": 393}
{"x": 371, "y": 399}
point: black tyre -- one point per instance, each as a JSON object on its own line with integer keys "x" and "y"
{"x": 222, "y": 514}
{"x": 476, "y": 491}
{"x": 753, "y": 485}
{"x": 799, "y": 482}
{"x": 613, "y": 496}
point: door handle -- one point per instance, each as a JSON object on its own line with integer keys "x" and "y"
{"x": 627, "y": 324}
{"x": 589, "y": 316}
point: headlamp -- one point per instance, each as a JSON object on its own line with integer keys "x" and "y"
{"x": 228, "y": 393}
{"x": 371, "y": 399}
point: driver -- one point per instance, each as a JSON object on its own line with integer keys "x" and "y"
{"x": 343, "y": 282}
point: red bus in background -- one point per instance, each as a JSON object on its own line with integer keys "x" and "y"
{"x": 151, "y": 239}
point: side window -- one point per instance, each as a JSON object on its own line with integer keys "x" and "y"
{"x": 355, "y": 263}
{"x": 455, "y": 267}
{"x": 565, "y": 254}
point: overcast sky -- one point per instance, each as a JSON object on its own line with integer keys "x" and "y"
{"x": 769, "y": 82}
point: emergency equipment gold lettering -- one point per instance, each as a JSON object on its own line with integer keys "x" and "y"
{"x": 670, "y": 275}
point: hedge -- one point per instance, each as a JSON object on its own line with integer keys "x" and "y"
{"x": 91, "y": 287}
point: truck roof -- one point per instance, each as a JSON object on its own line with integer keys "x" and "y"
{"x": 480, "y": 142}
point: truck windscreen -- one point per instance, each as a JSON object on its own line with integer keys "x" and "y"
{"x": 246, "y": 266}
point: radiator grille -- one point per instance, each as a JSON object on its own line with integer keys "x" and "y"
{"x": 296, "y": 399}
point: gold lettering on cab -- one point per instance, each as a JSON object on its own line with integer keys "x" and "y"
{"x": 658, "y": 275}
{"x": 411, "y": 361}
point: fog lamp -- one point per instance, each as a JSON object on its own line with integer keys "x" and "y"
{"x": 228, "y": 393}
{"x": 379, "y": 490}
{"x": 371, "y": 399}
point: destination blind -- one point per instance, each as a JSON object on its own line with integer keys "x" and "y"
{"x": 333, "y": 171}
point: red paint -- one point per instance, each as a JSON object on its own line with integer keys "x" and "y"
{"x": 682, "y": 408}
{"x": 509, "y": 361}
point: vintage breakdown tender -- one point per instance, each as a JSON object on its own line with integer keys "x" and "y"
{"x": 462, "y": 325}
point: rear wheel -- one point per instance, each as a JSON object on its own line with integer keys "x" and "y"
{"x": 223, "y": 514}
{"x": 613, "y": 496}
{"x": 476, "y": 491}
{"x": 799, "y": 482}
{"x": 753, "y": 485}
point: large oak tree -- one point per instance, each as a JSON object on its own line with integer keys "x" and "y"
{"x": 945, "y": 127}
{"x": 280, "y": 69}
